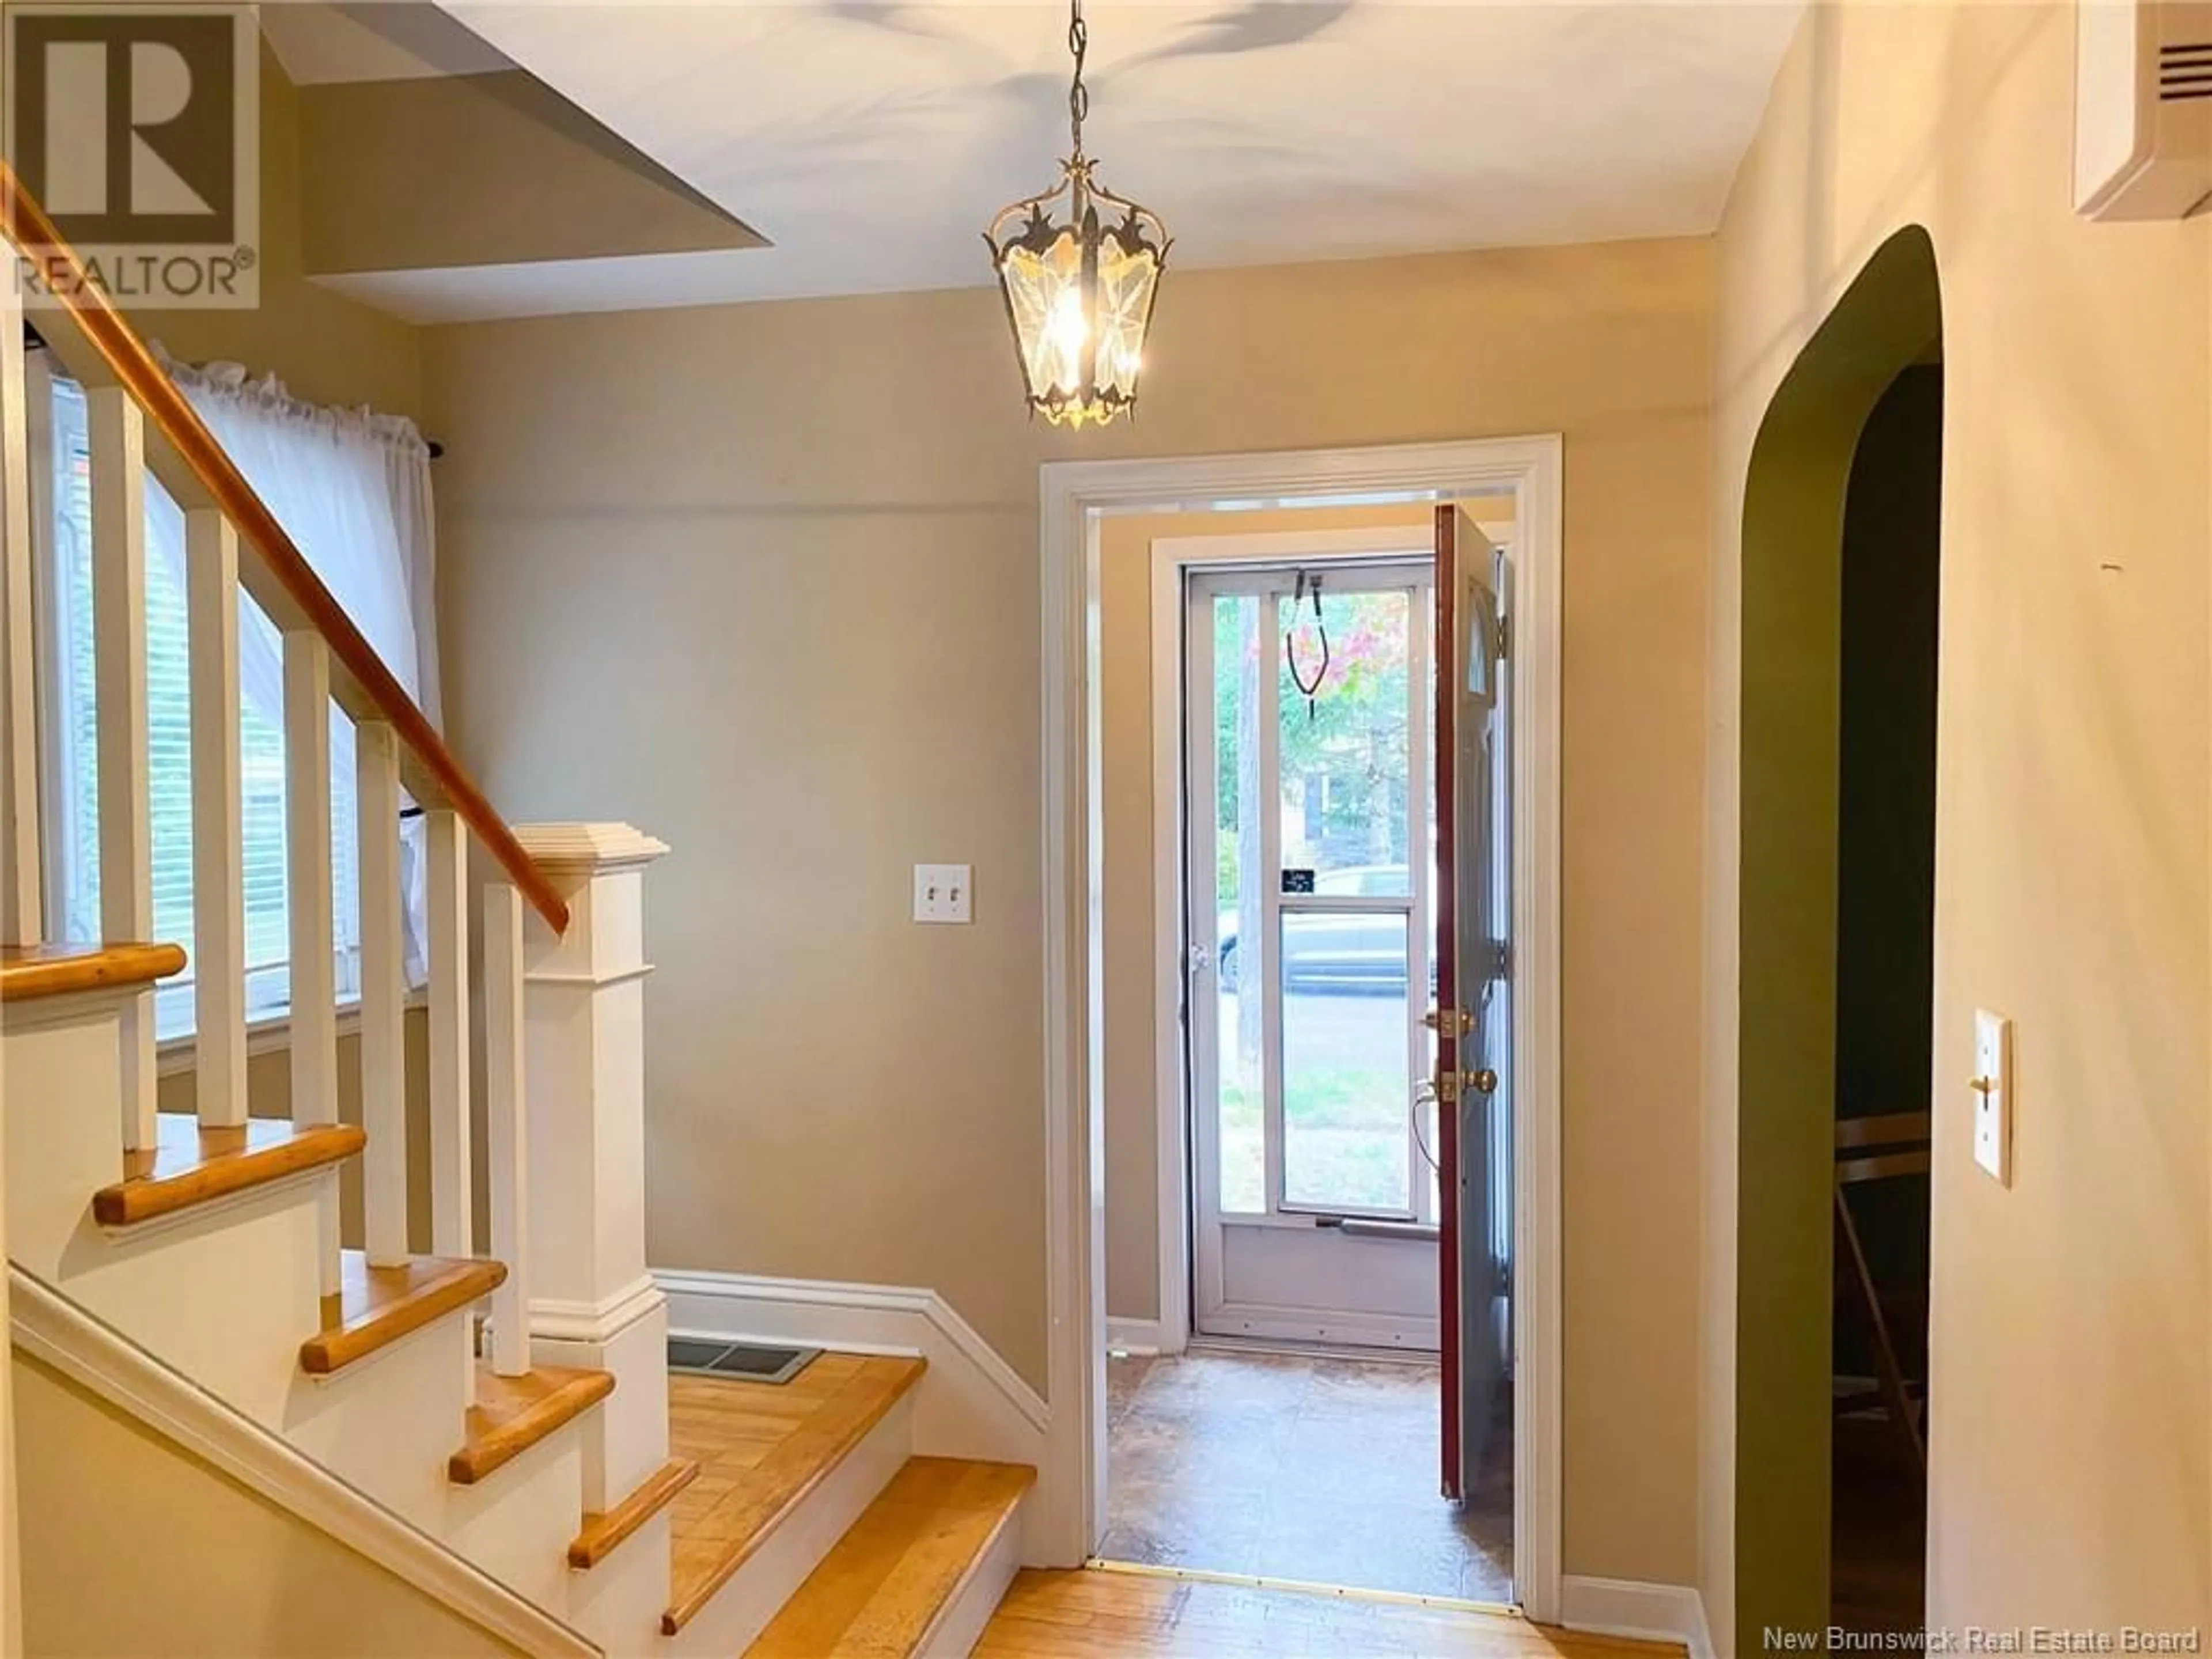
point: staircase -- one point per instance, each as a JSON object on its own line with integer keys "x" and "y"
{"x": 496, "y": 1428}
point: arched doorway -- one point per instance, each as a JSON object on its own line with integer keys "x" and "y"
{"x": 1814, "y": 635}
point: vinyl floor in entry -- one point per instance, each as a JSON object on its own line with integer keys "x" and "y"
{"x": 1319, "y": 1470}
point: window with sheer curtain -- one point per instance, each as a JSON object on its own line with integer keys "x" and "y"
{"x": 353, "y": 491}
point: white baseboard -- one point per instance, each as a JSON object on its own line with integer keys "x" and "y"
{"x": 1627, "y": 1607}
{"x": 1147, "y": 1337}
{"x": 970, "y": 1404}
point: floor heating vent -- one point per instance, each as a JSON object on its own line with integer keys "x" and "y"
{"x": 754, "y": 1362}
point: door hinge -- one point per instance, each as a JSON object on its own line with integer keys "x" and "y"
{"x": 1501, "y": 959}
{"x": 1504, "y": 636}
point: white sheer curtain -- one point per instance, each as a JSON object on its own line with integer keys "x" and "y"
{"x": 352, "y": 490}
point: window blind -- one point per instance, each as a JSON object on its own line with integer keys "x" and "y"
{"x": 73, "y": 769}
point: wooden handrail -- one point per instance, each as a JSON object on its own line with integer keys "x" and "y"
{"x": 26, "y": 225}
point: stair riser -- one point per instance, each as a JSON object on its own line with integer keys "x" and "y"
{"x": 388, "y": 1423}
{"x": 619, "y": 1602}
{"x": 517, "y": 1522}
{"x": 64, "y": 1126}
{"x": 960, "y": 1626}
{"x": 742, "y": 1608}
{"x": 225, "y": 1291}
{"x": 220, "y": 1291}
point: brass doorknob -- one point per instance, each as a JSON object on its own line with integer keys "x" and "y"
{"x": 1485, "y": 1081}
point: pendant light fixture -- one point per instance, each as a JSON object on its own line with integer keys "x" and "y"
{"x": 1078, "y": 291}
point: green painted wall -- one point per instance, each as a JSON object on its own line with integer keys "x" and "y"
{"x": 1792, "y": 641}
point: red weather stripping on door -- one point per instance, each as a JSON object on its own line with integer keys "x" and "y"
{"x": 1447, "y": 973}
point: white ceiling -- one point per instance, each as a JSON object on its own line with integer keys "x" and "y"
{"x": 871, "y": 143}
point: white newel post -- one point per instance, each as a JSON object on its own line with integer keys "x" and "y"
{"x": 591, "y": 1300}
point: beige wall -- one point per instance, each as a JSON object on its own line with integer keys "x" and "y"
{"x": 764, "y": 579}
{"x": 2071, "y": 1317}
{"x": 141, "y": 1548}
{"x": 326, "y": 347}
{"x": 1131, "y": 990}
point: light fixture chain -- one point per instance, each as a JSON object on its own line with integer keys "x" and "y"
{"x": 1078, "y": 96}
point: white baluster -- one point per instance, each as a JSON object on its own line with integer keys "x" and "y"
{"x": 118, "y": 437}
{"x": 311, "y": 946}
{"x": 507, "y": 1127}
{"x": 218, "y": 820}
{"x": 451, "y": 1208}
{"x": 22, "y": 919}
{"x": 383, "y": 1001}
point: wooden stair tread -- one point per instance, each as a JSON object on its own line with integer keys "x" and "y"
{"x": 188, "y": 1164}
{"x": 762, "y": 1448}
{"x": 514, "y": 1413}
{"x": 882, "y": 1587}
{"x": 53, "y": 970}
{"x": 377, "y": 1306}
{"x": 605, "y": 1530}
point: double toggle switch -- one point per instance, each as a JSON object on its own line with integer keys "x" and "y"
{"x": 1992, "y": 1087}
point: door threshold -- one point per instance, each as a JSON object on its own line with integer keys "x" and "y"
{"x": 1280, "y": 1345}
{"x": 1301, "y": 1586}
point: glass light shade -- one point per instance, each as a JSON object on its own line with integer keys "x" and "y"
{"x": 1079, "y": 297}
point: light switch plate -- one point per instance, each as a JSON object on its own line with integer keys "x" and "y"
{"x": 942, "y": 893}
{"x": 1992, "y": 1087}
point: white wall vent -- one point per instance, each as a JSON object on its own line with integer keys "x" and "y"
{"x": 2142, "y": 108}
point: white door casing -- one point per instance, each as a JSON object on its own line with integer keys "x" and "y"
{"x": 1071, "y": 1495}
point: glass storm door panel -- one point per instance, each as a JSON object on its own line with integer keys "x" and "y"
{"x": 1309, "y": 796}
{"x": 1472, "y": 1084}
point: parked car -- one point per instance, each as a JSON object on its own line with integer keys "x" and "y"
{"x": 1338, "y": 951}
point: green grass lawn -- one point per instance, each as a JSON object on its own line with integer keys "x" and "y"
{"x": 1343, "y": 1141}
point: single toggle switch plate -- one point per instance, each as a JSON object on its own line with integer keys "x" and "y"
{"x": 1992, "y": 1087}
{"x": 942, "y": 893}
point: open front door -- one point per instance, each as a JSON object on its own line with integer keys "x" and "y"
{"x": 1473, "y": 1018}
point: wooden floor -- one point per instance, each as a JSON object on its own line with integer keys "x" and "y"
{"x": 1302, "y": 1467}
{"x": 1106, "y": 1614}
{"x": 761, "y": 1447}
{"x": 1877, "y": 1530}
